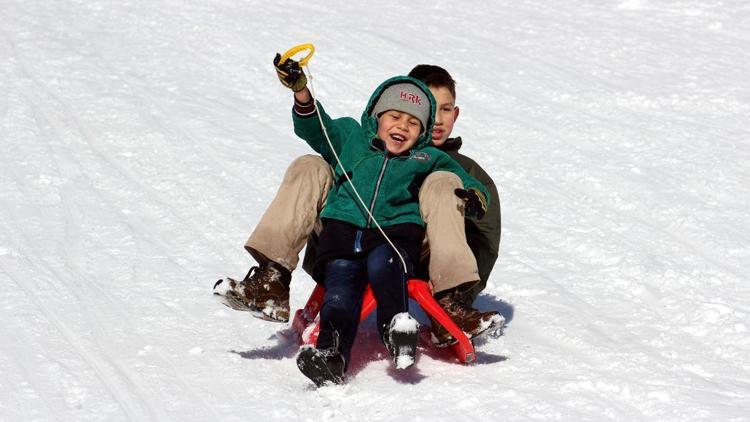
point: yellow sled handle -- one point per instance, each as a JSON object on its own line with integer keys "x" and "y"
{"x": 296, "y": 49}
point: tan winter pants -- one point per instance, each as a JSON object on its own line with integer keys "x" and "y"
{"x": 282, "y": 231}
{"x": 292, "y": 215}
{"x": 451, "y": 261}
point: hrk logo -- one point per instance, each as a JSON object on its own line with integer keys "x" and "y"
{"x": 412, "y": 98}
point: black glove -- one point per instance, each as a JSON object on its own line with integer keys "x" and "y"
{"x": 475, "y": 204}
{"x": 290, "y": 73}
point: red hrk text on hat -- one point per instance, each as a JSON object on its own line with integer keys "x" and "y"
{"x": 410, "y": 97}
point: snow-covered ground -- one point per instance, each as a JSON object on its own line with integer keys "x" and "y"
{"x": 142, "y": 140}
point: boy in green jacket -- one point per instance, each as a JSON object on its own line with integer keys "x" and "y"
{"x": 372, "y": 226}
{"x": 373, "y": 234}
{"x": 461, "y": 261}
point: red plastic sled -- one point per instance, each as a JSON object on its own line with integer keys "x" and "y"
{"x": 307, "y": 327}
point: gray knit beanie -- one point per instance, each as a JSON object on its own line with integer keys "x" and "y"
{"x": 405, "y": 97}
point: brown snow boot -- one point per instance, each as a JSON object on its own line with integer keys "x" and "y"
{"x": 471, "y": 321}
{"x": 264, "y": 292}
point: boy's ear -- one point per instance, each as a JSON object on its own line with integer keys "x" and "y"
{"x": 455, "y": 113}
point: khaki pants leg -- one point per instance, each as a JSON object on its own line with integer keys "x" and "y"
{"x": 451, "y": 261}
{"x": 291, "y": 216}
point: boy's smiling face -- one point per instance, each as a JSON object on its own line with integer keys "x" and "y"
{"x": 398, "y": 130}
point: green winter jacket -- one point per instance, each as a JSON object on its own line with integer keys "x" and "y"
{"x": 389, "y": 185}
{"x": 483, "y": 236}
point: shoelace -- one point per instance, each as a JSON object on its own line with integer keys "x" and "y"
{"x": 251, "y": 272}
{"x": 458, "y": 303}
{"x": 247, "y": 285}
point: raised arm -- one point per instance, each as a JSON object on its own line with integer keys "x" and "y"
{"x": 305, "y": 112}
{"x": 303, "y": 97}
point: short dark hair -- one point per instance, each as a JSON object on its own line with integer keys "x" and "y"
{"x": 435, "y": 76}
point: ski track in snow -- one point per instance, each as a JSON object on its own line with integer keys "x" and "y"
{"x": 142, "y": 141}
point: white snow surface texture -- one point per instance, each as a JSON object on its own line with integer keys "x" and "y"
{"x": 142, "y": 141}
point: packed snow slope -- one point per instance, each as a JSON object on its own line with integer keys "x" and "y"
{"x": 142, "y": 140}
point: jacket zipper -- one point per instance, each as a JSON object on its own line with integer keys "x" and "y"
{"x": 377, "y": 188}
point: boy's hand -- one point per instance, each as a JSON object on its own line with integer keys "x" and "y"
{"x": 290, "y": 73}
{"x": 475, "y": 204}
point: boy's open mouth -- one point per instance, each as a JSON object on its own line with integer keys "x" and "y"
{"x": 398, "y": 138}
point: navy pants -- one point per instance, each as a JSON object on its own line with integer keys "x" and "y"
{"x": 345, "y": 283}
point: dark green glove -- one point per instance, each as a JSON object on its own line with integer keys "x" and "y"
{"x": 475, "y": 204}
{"x": 290, "y": 73}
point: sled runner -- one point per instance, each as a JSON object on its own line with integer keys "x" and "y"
{"x": 306, "y": 325}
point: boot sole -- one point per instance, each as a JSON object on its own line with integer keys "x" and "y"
{"x": 404, "y": 345}
{"x": 495, "y": 323}
{"x": 314, "y": 366}
{"x": 232, "y": 300}
{"x": 266, "y": 317}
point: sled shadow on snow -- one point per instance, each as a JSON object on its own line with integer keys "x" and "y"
{"x": 486, "y": 302}
{"x": 286, "y": 347}
{"x": 368, "y": 348}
